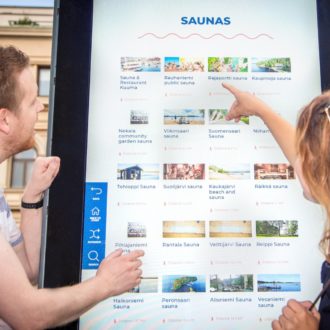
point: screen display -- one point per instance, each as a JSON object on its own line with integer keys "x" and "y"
{"x": 215, "y": 205}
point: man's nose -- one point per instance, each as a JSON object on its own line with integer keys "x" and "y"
{"x": 40, "y": 106}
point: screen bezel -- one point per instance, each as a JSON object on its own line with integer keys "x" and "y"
{"x": 69, "y": 106}
{"x": 67, "y": 138}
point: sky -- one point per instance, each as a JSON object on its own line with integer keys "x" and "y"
{"x": 27, "y": 3}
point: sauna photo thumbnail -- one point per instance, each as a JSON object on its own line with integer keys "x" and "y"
{"x": 232, "y": 228}
{"x": 218, "y": 117}
{"x": 229, "y": 172}
{"x": 277, "y": 65}
{"x": 147, "y": 285}
{"x": 273, "y": 172}
{"x": 184, "y": 117}
{"x": 228, "y": 64}
{"x": 140, "y": 64}
{"x": 184, "y": 171}
{"x": 183, "y": 229}
{"x": 138, "y": 117}
{"x": 231, "y": 283}
{"x": 138, "y": 172}
{"x": 277, "y": 228}
{"x": 183, "y": 64}
{"x": 279, "y": 282}
{"x": 136, "y": 229}
{"x": 184, "y": 283}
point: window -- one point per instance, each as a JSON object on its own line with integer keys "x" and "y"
{"x": 43, "y": 80}
{"x": 22, "y": 168}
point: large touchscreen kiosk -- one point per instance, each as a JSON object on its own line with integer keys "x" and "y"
{"x": 227, "y": 234}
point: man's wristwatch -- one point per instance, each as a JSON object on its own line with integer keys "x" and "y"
{"x": 37, "y": 205}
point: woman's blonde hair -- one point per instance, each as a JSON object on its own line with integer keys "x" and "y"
{"x": 313, "y": 146}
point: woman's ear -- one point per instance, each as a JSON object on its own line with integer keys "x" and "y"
{"x": 4, "y": 120}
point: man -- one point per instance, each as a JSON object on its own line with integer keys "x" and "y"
{"x": 23, "y": 306}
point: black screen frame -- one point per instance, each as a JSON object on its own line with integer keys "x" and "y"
{"x": 68, "y": 134}
{"x": 323, "y": 18}
{"x": 67, "y": 138}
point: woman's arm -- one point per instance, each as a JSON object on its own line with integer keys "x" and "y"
{"x": 247, "y": 104}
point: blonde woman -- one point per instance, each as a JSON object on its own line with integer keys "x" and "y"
{"x": 307, "y": 147}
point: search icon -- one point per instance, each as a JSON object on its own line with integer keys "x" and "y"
{"x": 93, "y": 256}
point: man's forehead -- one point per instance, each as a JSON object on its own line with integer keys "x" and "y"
{"x": 25, "y": 77}
{"x": 26, "y": 81}
{"x": 26, "y": 87}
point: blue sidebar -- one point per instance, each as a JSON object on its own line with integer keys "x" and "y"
{"x": 95, "y": 213}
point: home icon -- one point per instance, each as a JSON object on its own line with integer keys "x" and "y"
{"x": 95, "y": 211}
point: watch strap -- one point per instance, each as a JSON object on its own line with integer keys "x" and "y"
{"x": 37, "y": 205}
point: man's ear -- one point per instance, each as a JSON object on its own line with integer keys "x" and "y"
{"x": 4, "y": 120}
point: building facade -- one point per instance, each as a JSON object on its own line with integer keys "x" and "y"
{"x": 29, "y": 29}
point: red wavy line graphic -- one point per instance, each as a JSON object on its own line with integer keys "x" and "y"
{"x": 204, "y": 37}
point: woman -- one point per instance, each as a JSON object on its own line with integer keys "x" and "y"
{"x": 308, "y": 150}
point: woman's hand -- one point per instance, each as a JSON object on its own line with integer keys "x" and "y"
{"x": 296, "y": 316}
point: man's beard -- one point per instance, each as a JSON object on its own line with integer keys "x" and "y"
{"x": 28, "y": 144}
{"x": 22, "y": 146}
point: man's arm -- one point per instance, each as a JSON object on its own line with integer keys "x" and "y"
{"x": 25, "y": 307}
{"x": 247, "y": 104}
{"x": 44, "y": 171}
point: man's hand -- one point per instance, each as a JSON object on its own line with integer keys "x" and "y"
{"x": 296, "y": 316}
{"x": 44, "y": 172}
{"x": 119, "y": 272}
